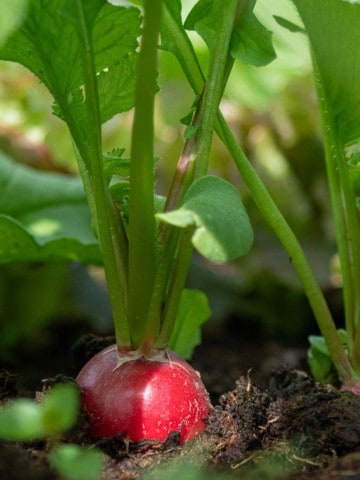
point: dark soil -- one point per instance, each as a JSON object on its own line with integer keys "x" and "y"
{"x": 274, "y": 422}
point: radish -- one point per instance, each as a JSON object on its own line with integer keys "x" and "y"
{"x": 142, "y": 398}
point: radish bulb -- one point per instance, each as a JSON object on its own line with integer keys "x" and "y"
{"x": 142, "y": 398}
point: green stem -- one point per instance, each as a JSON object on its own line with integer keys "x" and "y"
{"x": 110, "y": 235}
{"x": 179, "y": 273}
{"x": 277, "y": 222}
{"x": 271, "y": 213}
{"x": 214, "y": 86}
{"x": 346, "y": 219}
{"x": 168, "y": 236}
{"x": 199, "y": 157}
{"x": 142, "y": 227}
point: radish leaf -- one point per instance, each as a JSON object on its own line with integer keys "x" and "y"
{"x": 25, "y": 420}
{"x": 43, "y": 216}
{"x": 193, "y": 311}
{"x": 291, "y": 26}
{"x": 53, "y": 27}
{"x": 337, "y": 68}
{"x": 60, "y": 408}
{"x": 320, "y": 362}
{"x": 20, "y": 421}
{"x": 326, "y": 22}
{"x": 222, "y": 227}
{"x": 251, "y": 42}
{"x": 76, "y": 463}
{"x": 12, "y": 14}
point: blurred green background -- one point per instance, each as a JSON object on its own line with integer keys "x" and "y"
{"x": 272, "y": 111}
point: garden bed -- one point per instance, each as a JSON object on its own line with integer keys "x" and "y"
{"x": 274, "y": 422}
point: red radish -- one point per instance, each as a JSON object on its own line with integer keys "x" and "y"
{"x": 143, "y": 398}
{"x": 352, "y": 386}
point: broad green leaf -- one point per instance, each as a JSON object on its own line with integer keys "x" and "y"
{"x": 251, "y": 41}
{"x": 333, "y": 30}
{"x": 213, "y": 206}
{"x": 12, "y": 14}
{"x": 43, "y": 216}
{"x": 20, "y": 421}
{"x": 116, "y": 88}
{"x": 60, "y": 408}
{"x": 49, "y": 43}
{"x": 76, "y": 463}
{"x": 193, "y": 311}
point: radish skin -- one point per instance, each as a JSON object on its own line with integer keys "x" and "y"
{"x": 142, "y": 398}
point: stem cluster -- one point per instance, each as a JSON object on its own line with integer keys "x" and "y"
{"x": 146, "y": 268}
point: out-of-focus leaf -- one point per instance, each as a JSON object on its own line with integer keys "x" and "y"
{"x": 60, "y": 408}
{"x": 252, "y": 42}
{"x": 193, "y": 311}
{"x": 333, "y": 30}
{"x": 43, "y": 216}
{"x": 20, "y": 421}
{"x": 321, "y": 365}
{"x": 12, "y": 13}
{"x": 24, "y": 420}
{"x": 291, "y": 26}
{"x": 76, "y": 463}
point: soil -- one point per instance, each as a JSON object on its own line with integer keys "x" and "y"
{"x": 273, "y": 422}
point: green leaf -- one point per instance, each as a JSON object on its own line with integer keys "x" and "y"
{"x": 222, "y": 227}
{"x": 320, "y": 362}
{"x": 49, "y": 43}
{"x": 12, "y": 15}
{"x": 252, "y": 42}
{"x": 120, "y": 191}
{"x": 116, "y": 164}
{"x": 116, "y": 88}
{"x": 326, "y": 22}
{"x": 60, "y": 408}
{"x": 193, "y": 311}
{"x": 25, "y": 420}
{"x": 292, "y": 27}
{"x": 173, "y": 7}
{"x": 20, "y": 421}
{"x": 203, "y": 19}
{"x": 333, "y": 30}
{"x": 43, "y": 216}
{"x": 175, "y": 40}
{"x": 76, "y": 463}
